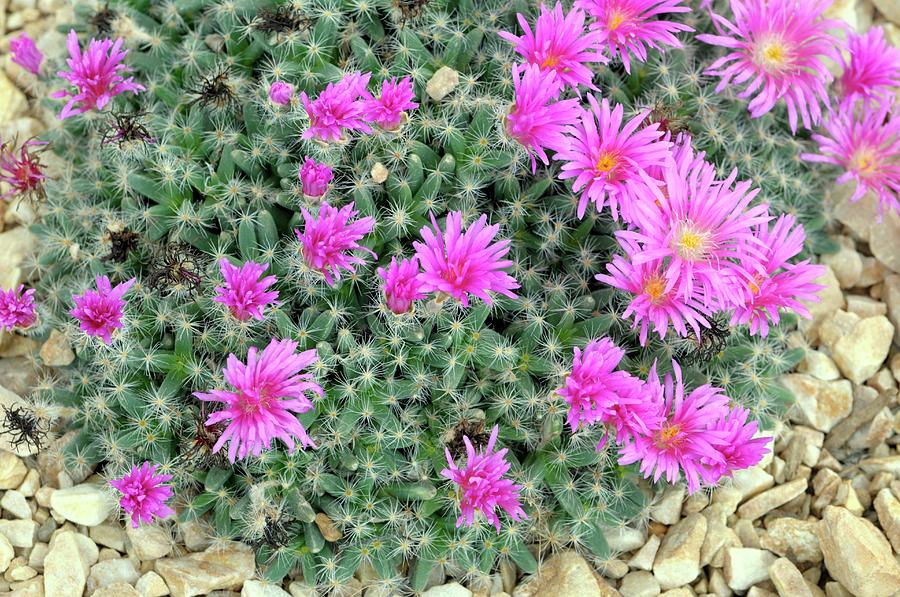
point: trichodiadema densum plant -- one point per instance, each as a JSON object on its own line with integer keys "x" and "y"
{"x": 367, "y": 283}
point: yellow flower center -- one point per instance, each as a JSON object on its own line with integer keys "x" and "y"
{"x": 756, "y": 283}
{"x": 655, "y": 288}
{"x": 616, "y": 18}
{"x": 772, "y": 55}
{"x": 690, "y": 243}
{"x": 550, "y": 61}
{"x": 669, "y": 437}
{"x": 865, "y": 162}
{"x": 607, "y": 162}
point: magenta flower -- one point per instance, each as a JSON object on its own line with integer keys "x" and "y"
{"x": 559, "y": 44}
{"x": 460, "y": 264}
{"x": 328, "y": 239}
{"x": 631, "y": 26}
{"x": 698, "y": 224}
{"x": 244, "y": 292}
{"x": 388, "y": 108}
{"x": 16, "y": 308}
{"x": 772, "y": 283}
{"x": 315, "y": 177}
{"x": 683, "y": 441}
{"x": 25, "y": 53}
{"x": 401, "y": 284}
{"x": 867, "y": 147}
{"x": 737, "y": 446}
{"x": 605, "y": 158}
{"x": 656, "y": 302}
{"x": 97, "y": 75}
{"x": 780, "y": 49}
{"x": 100, "y": 312}
{"x": 268, "y": 390}
{"x": 594, "y": 390}
{"x": 143, "y": 494}
{"x": 22, "y": 173}
{"x": 482, "y": 484}
{"x": 535, "y": 120}
{"x": 281, "y": 93}
{"x": 873, "y": 70}
{"x": 341, "y": 106}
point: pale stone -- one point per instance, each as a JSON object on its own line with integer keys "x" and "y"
{"x": 614, "y": 568}
{"x": 891, "y": 298}
{"x": 22, "y": 572}
{"x": 149, "y": 542}
{"x": 668, "y": 509}
{"x": 745, "y": 567}
{"x": 194, "y": 535}
{"x": 109, "y": 535}
{"x": 678, "y": 559}
{"x": 836, "y": 326}
{"x": 151, "y": 584}
{"x": 30, "y": 484}
{"x": 831, "y": 297}
{"x": 453, "y": 589}
{"x": 718, "y": 538}
{"x": 20, "y": 533}
{"x": 15, "y": 245}
{"x": 327, "y": 527}
{"x": 864, "y": 306}
{"x": 225, "y": 567}
{"x": 643, "y": 559}
{"x": 639, "y": 584}
{"x": 12, "y": 101}
{"x": 787, "y": 579}
{"x": 890, "y": 464}
{"x": 119, "y": 589}
{"x": 12, "y": 470}
{"x": 847, "y": 266}
{"x": 819, "y": 404}
{"x": 28, "y": 588}
{"x": 819, "y": 365}
{"x": 65, "y": 574}
{"x": 846, "y": 497}
{"x": 861, "y": 216}
{"x": 565, "y": 574}
{"x": 873, "y": 272}
{"x": 857, "y": 554}
{"x": 793, "y": 538}
{"x": 861, "y": 353}
{"x": 874, "y": 432}
{"x": 771, "y": 499}
{"x": 299, "y": 589}
{"x": 37, "y": 556}
{"x": 6, "y": 553}
{"x": 379, "y": 173}
{"x": 444, "y": 80}
{"x": 87, "y": 504}
{"x": 752, "y": 481}
{"x": 108, "y": 572}
{"x": 624, "y": 539}
{"x": 884, "y": 237}
{"x": 56, "y": 351}
{"x": 888, "y": 509}
{"x": 256, "y": 588}
{"x": 16, "y": 504}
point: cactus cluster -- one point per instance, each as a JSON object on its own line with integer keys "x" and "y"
{"x": 201, "y": 166}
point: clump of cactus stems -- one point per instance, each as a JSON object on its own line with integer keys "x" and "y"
{"x": 336, "y": 313}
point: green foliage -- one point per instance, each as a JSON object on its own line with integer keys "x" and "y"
{"x": 220, "y": 180}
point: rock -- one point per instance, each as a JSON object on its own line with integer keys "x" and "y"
{"x": 20, "y": 533}
{"x": 379, "y": 173}
{"x": 873, "y": 272}
{"x": 847, "y": 266}
{"x": 752, "y": 481}
{"x": 216, "y": 568}
{"x": 444, "y": 80}
{"x": 857, "y": 554}
{"x": 12, "y": 103}
{"x": 645, "y": 556}
{"x": 15, "y": 244}
{"x": 678, "y": 559}
{"x": 109, "y": 572}
{"x": 888, "y": 509}
{"x": 194, "y": 535}
{"x": 624, "y": 539}
{"x": 639, "y": 584}
{"x": 793, "y": 538}
{"x": 6, "y": 553}
{"x": 861, "y": 353}
{"x": 109, "y": 535}
{"x": 12, "y": 470}
{"x": 566, "y": 574}
{"x": 745, "y": 567}
{"x": 831, "y": 297}
{"x": 820, "y": 404}
{"x": 65, "y": 573}
{"x": 668, "y": 509}
{"x": 56, "y": 351}
{"x": 256, "y": 588}
{"x": 18, "y": 376}
{"x": 149, "y": 542}
{"x": 119, "y": 589}
{"x": 884, "y": 237}
{"x": 864, "y": 307}
{"x": 819, "y": 365}
{"x": 787, "y": 579}
{"x": 891, "y": 298}
{"x": 299, "y": 589}
{"x": 151, "y": 584}
{"x": 771, "y": 499}
{"x": 889, "y": 464}
{"x": 327, "y": 527}
{"x": 890, "y": 9}
{"x": 87, "y": 504}
{"x": 15, "y": 503}
{"x": 453, "y": 589}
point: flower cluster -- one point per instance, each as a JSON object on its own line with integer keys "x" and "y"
{"x": 101, "y": 311}
{"x": 329, "y": 239}
{"x": 668, "y": 430}
{"x": 244, "y": 292}
{"x": 17, "y": 308}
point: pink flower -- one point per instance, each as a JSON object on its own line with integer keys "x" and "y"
{"x": 466, "y": 263}
{"x": 281, "y": 93}
{"x": 328, "y": 239}
{"x": 100, "y": 311}
{"x": 22, "y": 172}
{"x": 633, "y": 25}
{"x": 16, "y": 308}
{"x": 535, "y": 120}
{"x": 25, "y": 53}
{"x": 559, "y": 44}
{"x": 737, "y": 446}
{"x": 605, "y": 158}
{"x": 143, "y": 494}
{"x": 268, "y": 390}
{"x": 656, "y": 302}
{"x": 867, "y": 147}
{"x": 873, "y": 70}
{"x": 482, "y": 484}
{"x": 244, "y": 292}
{"x": 401, "y": 284}
{"x": 683, "y": 441}
{"x": 315, "y": 177}
{"x": 342, "y": 105}
{"x": 696, "y": 223}
{"x": 776, "y": 284}
{"x": 595, "y": 391}
{"x": 780, "y": 49}
{"x": 396, "y": 97}
{"x": 97, "y": 75}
